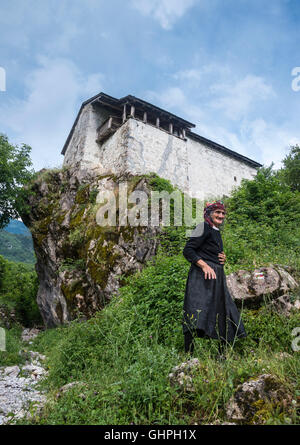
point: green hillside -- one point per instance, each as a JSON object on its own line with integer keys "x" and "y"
{"x": 16, "y": 247}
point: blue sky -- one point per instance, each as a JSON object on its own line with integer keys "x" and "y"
{"x": 225, "y": 65}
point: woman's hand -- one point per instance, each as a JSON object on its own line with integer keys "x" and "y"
{"x": 222, "y": 257}
{"x": 207, "y": 270}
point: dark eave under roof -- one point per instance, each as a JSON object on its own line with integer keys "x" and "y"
{"x": 147, "y": 106}
{"x": 105, "y": 99}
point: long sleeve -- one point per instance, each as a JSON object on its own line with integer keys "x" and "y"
{"x": 195, "y": 242}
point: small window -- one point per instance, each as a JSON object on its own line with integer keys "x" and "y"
{"x": 235, "y": 178}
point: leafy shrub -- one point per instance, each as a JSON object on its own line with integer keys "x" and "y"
{"x": 262, "y": 223}
{"x": 18, "y": 290}
{"x": 156, "y": 297}
{"x": 11, "y": 355}
{"x": 268, "y": 329}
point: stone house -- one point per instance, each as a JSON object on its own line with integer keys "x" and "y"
{"x": 130, "y": 135}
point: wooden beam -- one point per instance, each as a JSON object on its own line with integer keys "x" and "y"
{"x": 157, "y": 122}
{"x": 145, "y": 117}
{"x": 171, "y": 127}
{"x": 132, "y": 110}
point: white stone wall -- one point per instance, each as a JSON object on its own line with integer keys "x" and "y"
{"x": 211, "y": 173}
{"x": 140, "y": 148}
{"x": 113, "y": 152}
{"x": 83, "y": 148}
{"x": 150, "y": 149}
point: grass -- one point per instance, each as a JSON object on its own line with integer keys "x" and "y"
{"x": 13, "y": 344}
{"x": 125, "y": 370}
{"x": 125, "y": 353}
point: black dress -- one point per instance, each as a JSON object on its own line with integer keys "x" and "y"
{"x": 208, "y": 305}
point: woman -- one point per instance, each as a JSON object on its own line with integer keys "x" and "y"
{"x": 209, "y": 310}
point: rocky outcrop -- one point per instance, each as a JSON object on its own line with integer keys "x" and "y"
{"x": 254, "y": 401}
{"x": 18, "y": 389}
{"x": 250, "y": 288}
{"x": 29, "y": 334}
{"x": 182, "y": 375}
{"x": 81, "y": 264}
{"x": 284, "y": 305}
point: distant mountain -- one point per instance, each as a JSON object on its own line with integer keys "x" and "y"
{"x": 16, "y": 243}
{"x": 16, "y": 226}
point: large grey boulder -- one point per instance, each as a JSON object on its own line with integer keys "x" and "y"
{"x": 254, "y": 401}
{"x": 250, "y": 288}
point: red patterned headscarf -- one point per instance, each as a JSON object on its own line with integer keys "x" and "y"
{"x": 210, "y": 207}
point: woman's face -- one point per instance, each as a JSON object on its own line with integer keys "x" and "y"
{"x": 217, "y": 217}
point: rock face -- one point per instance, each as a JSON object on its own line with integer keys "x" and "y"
{"x": 249, "y": 288}
{"x": 254, "y": 400}
{"x": 80, "y": 264}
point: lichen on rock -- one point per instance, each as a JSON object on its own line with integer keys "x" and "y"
{"x": 81, "y": 264}
{"x": 256, "y": 400}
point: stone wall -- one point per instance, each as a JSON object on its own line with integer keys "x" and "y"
{"x": 83, "y": 150}
{"x": 150, "y": 149}
{"x": 139, "y": 148}
{"x": 213, "y": 173}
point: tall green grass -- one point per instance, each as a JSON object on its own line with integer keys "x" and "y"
{"x": 125, "y": 353}
{"x": 125, "y": 365}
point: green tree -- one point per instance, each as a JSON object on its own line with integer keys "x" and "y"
{"x": 14, "y": 174}
{"x": 291, "y": 170}
{"x": 2, "y": 271}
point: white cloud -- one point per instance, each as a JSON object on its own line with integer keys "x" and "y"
{"x": 219, "y": 89}
{"x": 174, "y": 100}
{"x": 190, "y": 75}
{"x": 62, "y": 42}
{"x": 272, "y": 141}
{"x": 43, "y": 119}
{"x": 206, "y": 74}
{"x": 237, "y": 99}
{"x": 255, "y": 137}
{"x": 169, "y": 98}
{"x": 166, "y": 12}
